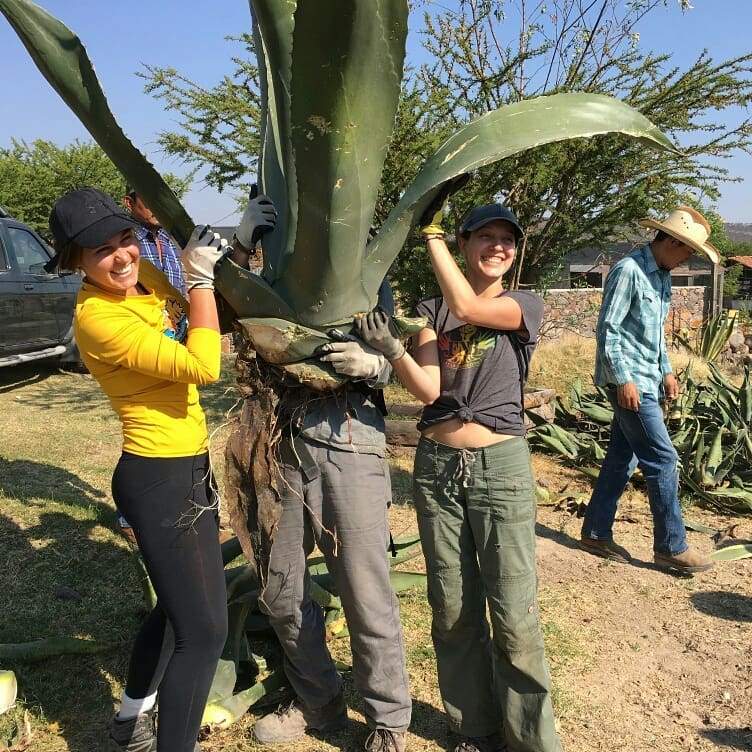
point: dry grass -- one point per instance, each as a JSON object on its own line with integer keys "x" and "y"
{"x": 558, "y": 362}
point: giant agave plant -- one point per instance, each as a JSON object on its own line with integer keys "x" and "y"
{"x": 328, "y": 114}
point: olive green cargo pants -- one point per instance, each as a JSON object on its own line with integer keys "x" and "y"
{"x": 476, "y": 515}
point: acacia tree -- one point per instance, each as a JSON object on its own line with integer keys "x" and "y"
{"x": 219, "y": 126}
{"x": 486, "y": 53}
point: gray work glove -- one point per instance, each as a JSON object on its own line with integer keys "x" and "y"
{"x": 352, "y": 359}
{"x": 259, "y": 217}
{"x": 377, "y": 330}
{"x": 204, "y": 248}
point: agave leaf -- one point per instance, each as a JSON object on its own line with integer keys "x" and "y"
{"x": 224, "y": 680}
{"x": 280, "y": 341}
{"x": 224, "y": 713}
{"x": 324, "y": 597}
{"x": 407, "y": 580}
{"x": 733, "y": 553}
{"x": 63, "y": 61}
{"x": 248, "y": 293}
{"x": 273, "y": 24}
{"x": 497, "y": 135}
{"x": 344, "y": 96}
{"x": 50, "y": 647}
{"x": 699, "y": 527}
{"x": 715, "y": 455}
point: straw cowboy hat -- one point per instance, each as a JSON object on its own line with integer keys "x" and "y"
{"x": 688, "y": 226}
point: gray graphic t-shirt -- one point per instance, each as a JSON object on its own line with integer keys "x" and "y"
{"x": 480, "y": 367}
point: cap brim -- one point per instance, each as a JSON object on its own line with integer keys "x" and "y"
{"x": 482, "y": 222}
{"x": 704, "y": 249}
{"x": 100, "y": 232}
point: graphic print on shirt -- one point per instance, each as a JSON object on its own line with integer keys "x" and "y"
{"x": 175, "y": 320}
{"x": 465, "y": 347}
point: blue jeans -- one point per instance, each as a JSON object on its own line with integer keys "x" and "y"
{"x": 639, "y": 438}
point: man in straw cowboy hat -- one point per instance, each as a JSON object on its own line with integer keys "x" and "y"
{"x": 632, "y": 363}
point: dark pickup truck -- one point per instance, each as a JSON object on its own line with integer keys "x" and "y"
{"x": 36, "y": 308}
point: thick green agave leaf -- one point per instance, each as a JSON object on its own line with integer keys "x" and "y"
{"x": 63, "y": 61}
{"x": 733, "y": 553}
{"x": 495, "y": 136}
{"x": 344, "y": 96}
{"x": 273, "y": 23}
{"x": 223, "y": 713}
{"x": 247, "y": 293}
{"x": 328, "y": 119}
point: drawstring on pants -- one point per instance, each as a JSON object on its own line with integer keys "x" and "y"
{"x": 465, "y": 464}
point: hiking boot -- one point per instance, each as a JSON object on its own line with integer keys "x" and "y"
{"x": 133, "y": 734}
{"x": 385, "y": 740}
{"x": 605, "y": 549}
{"x": 291, "y": 722}
{"x": 491, "y": 743}
{"x": 689, "y": 561}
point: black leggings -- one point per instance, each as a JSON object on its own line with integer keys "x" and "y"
{"x": 162, "y": 498}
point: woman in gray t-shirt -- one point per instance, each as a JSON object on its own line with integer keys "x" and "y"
{"x": 473, "y": 485}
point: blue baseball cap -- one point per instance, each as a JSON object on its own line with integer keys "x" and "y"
{"x": 482, "y": 215}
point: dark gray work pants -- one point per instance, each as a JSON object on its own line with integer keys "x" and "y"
{"x": 346, "y": 493}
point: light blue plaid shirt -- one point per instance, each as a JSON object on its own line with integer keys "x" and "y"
{"x": 631, "y": 340}
{"x": 159, "y": 249}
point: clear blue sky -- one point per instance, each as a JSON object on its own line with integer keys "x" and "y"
{"x": 188, "y": 35}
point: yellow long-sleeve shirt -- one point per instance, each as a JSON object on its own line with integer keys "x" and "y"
{"x": 130, "y": 345}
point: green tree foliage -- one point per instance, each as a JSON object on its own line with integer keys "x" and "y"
{"x": 219, "y": 126}
{"x": 732, "y": 280}
{"x": 483, "y": 54}
{"x": 33, "y": 176}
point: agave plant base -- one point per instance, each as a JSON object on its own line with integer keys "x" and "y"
{"x": 252, "y": 478}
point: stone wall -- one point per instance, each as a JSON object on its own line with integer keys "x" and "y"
{"x": 576, "y": 310}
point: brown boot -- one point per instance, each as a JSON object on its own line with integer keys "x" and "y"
{"x": 606, "y": 550}
{"x": 292, "y": 722}
{"x": 689, "y": 561}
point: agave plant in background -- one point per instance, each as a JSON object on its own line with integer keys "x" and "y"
{"x": 710, "y": 426}
{"x": 712, "y": 337}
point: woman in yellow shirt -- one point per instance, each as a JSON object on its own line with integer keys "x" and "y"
{"x": 149, "y": 349}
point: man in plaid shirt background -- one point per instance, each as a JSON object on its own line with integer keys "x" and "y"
{"x": 155, "y": 244}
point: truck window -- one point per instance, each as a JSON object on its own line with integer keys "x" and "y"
{"x": 29, "y": 253}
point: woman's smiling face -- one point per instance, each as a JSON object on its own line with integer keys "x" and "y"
{"x": 113, "y": 266}
{"x": 490, "y": 250}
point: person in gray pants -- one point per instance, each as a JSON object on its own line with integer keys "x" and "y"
{"x": 335, "y": 493}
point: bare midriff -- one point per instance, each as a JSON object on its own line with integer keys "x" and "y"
{"x": 460, "y": 435}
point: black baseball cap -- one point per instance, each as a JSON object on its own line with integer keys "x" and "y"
{"x": 482, "y": 215}
{"x": 88, "y": 218}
